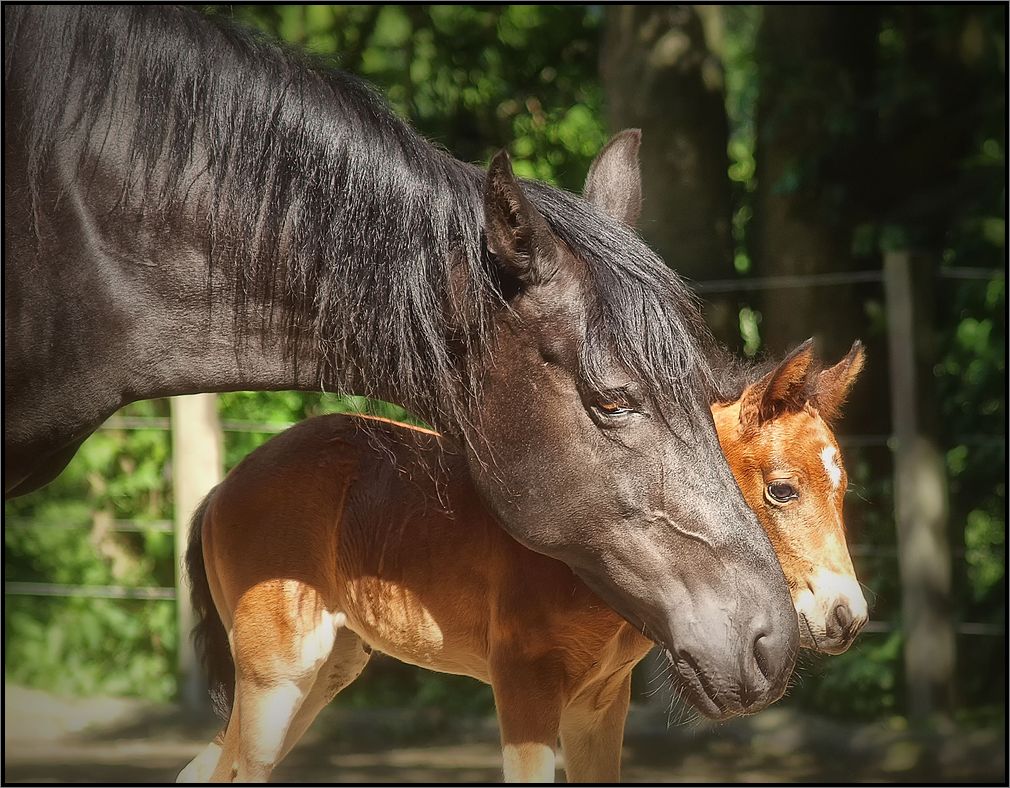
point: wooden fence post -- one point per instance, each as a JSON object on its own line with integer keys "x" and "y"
{"x": 920, "y": 502}
{"x": 197, "y": 464}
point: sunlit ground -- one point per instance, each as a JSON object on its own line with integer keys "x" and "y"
{"x": 52, "y": 739}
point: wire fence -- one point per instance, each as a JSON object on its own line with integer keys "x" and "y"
{"x": 159, "y": 593}
{"x": 828, "y": 279}
{"x": 169, "y": 593}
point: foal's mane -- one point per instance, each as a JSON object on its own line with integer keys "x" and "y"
{"x": 316, "y": 196}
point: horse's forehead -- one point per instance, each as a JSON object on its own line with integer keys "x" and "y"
{"x": 806, "y": 440}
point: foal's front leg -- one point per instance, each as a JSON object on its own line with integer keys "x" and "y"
{"x": 529, "y": 696}
{"x": 592, "y": 731}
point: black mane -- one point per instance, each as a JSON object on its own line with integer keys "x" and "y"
{"x": 320, "y": 196}
{"x": 732, "y": 375}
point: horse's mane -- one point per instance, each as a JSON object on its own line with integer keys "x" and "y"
{"x": 731, "y": 375}
{"x": 317, "y": 194}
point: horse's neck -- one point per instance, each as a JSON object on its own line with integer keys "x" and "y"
{"x": 115, "y": 292}
{"x": 107, "y": 304}
{"x": 235, "y": 320}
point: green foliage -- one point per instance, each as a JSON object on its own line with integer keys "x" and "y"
{"x": 89, "y": 646}
{"x": 864, "y": 682}
{"x": 738, "y": 42}
{"x": 62, "y": 534}
{"x": 471, "y": 78}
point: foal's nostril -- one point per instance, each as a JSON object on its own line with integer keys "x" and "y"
{"x": 842, "y": 618}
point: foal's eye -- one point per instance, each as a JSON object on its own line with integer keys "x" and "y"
{"x": 782, "y": 492}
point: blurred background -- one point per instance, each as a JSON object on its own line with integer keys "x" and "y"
{"x": 827, "y": 171}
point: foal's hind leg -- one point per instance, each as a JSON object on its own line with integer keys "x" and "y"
{"x": 346, "y": 661}
{"x": 282, "y": 635}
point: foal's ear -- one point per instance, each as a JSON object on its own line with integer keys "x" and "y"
{"x": 783, "y": 390}
{"x": 833, "y": 384}
{"x": 517, "y": 235}
{"x": 614, "y": 182}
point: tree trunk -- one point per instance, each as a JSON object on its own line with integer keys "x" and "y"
{"x": 815, "y": 131}
{"x": 660, "y": 76}
{"x": 921, "y": 507}
{"x": 816, "y": 70}
{"x": 197, "y": 466}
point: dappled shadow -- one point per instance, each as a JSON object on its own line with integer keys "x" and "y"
{"x": 100, "y": 773}
{"x": 784, "y": 744}
{"x": 48, "y": 739}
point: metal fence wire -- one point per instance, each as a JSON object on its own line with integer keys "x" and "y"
{"x": 749, "y": 284}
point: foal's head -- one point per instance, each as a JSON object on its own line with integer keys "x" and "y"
{"x": 603, "y": 454}
{"x": 780, "y": 446}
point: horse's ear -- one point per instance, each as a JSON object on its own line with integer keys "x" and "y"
{"x": 833, "y": 384}
{"x": 783, "y": 390}
{"x": 614, "y": 182}
{"x": 517, "y": 235}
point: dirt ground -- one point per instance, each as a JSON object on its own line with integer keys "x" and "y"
{"x": 52, "y": 739}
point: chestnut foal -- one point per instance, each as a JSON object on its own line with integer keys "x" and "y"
{"x": 331, "y": 540}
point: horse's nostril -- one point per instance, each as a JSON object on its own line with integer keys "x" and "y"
{"x": 762, "y": 656}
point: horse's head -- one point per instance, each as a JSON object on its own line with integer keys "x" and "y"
{"x": 599, "y": 444}
{"x": 780, "y": 446}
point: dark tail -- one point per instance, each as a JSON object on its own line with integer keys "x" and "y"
{"x": 209, "y": 634}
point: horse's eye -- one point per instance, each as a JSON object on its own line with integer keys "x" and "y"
{"x": 610, "y": 407}
{"x": 782, "y": 492}
{"x": 615, "y": 407}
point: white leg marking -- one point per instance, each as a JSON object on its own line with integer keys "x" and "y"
{"x": 202, "y": 766}
{"x": 266, "y": 717}
{"x": 528, "y": 763}
{"x": 317, "y": 642}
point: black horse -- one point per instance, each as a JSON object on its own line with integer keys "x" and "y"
{"x": 189, "y": 208}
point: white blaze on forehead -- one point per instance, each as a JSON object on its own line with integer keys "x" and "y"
{"x": 829, "y": 456}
